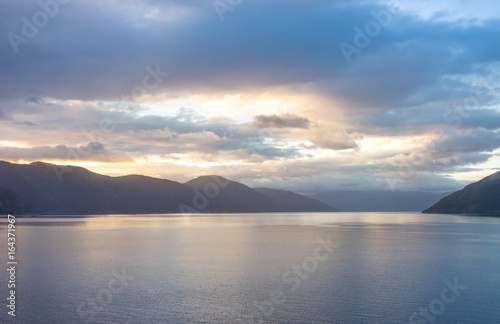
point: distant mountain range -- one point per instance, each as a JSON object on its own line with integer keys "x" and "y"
{"x": 49, "y": 189}
{"x": 42, "y": 188}
{"x": 479, "y": 198}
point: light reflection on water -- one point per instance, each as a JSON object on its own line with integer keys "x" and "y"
{"x": 262, "y": 219}
{"x": 220, "y": 268}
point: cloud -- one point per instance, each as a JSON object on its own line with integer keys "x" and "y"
{"x": 323, "y": 114}
{"x": 91, "y": 152}
{"x": 36, "y": 100}
{"x": 447, "y": 10}
{"x": 478, "y": 140}
{"x": 282, "y": 121}
{"x": 335, "y": 140}
{"x": 4, "y": 115}
{"x": 421, "y": 120}
{"x": 448, "y": 152}
{"x": 302, "y": 48}
{"x": 25, "y": 123}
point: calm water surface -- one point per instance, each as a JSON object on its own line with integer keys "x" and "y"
{"x": 255, "y": 268}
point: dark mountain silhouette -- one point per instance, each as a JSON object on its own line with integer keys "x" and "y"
{"x": 288, "y": 199}
{"x": 85, "y": 192}
{"x": 12, "y": 203}
{"x": 221, "y": 195}
{"x": 479, "y": 198}
{"x": 52, "y": 189}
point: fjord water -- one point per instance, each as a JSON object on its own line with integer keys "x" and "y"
{"x": 251, "y": 268}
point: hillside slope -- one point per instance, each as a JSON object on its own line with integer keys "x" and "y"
{"x": 292, "y": 201}
{"x": 12, "y": 203}
{"x": 479, "y": 198}
{"x": 80, "y": 191}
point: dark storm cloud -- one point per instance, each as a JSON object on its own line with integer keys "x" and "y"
{"x": 101, "y": 50}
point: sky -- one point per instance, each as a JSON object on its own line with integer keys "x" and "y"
{"x": 289, "y": 94}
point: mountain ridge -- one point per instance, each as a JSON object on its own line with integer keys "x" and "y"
{"x": 478, "y": 198}
{"x": 54, "y": 189}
